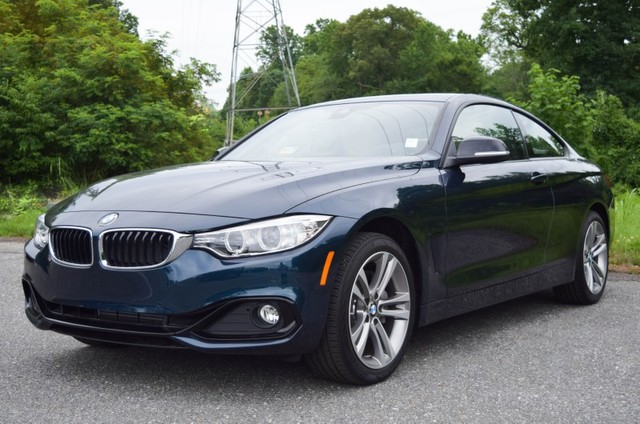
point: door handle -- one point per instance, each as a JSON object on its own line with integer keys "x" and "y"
{"x": 539, "y": 177}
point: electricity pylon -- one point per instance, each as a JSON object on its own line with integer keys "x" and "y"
{"x": 253, "y": 17}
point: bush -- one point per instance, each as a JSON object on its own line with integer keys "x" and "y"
{"x": 82, "y": 97}
{"x": 19, "y": 199}
{"x": 616, "y": 141}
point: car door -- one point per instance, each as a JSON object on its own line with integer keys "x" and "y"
{"x": 498, "y": 214}
{"x": 569, "y": 192}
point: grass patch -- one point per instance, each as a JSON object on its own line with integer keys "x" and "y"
{"x": 20, "y": 225}
{"x": 19, "y": 208}
{"x": 625, "y": 249}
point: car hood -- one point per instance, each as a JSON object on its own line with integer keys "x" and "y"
{"x": 246, "y": 190}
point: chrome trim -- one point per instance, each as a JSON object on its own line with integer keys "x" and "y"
{"x": 60, "y": 261}
{"x": 480, "y": 154}
{"x": 181, "y": 243}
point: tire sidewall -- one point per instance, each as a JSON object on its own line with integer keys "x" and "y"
{"x": 581, "y": 277}
{"x": 350, "y": 266}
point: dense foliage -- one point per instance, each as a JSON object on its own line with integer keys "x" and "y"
{"x": 82, "y": 97}
{"x": 594, "y": 40}
{"x": 381, "y": 51}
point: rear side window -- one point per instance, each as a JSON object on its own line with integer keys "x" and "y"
{"x": 490, "y": 121}
{"x": 540, "y": 142}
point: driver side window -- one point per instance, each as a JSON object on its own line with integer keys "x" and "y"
{"x": 490, "y": 121}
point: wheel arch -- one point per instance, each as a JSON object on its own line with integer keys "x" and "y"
{"x": 400, "y": 233}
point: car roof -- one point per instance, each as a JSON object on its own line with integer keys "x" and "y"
{"x": 429, "y": 97}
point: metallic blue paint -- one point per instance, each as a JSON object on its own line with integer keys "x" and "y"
{"x": 474, "y": 234}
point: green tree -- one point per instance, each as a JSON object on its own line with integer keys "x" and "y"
{"x": 595, "y": 40}
{"x": 369, "y": 45}
{"x": 269, "y": 49}
{"x": 82, "y": 97}
{"x": 616, "y": 140}
{"x": 317, "y": 81}
{"x": 382, "y": 51}
{"x": 378, "y": 51}
{"x": 129, "y": 21}
{"x": 509, "y": 81}
{"x": 557, "y": 100}
{"x": 436, "y": 61}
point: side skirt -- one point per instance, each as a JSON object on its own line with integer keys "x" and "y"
{"x": 554, "y": 274}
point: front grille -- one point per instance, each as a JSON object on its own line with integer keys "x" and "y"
{"x": 71, "y": 245}
{"x": 135, "y": 248}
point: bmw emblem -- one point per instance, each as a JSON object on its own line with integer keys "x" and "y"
{"x": 107, "y": 219}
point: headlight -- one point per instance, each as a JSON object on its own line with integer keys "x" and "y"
{"x": 264, "y": 237}
{"x": 41, "y": 233}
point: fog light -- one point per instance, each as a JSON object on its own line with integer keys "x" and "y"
{"x": 269, "y": 314}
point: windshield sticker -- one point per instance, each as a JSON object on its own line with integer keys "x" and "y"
{"x": 411, "y": 142}
{"x": 289, "y": 150}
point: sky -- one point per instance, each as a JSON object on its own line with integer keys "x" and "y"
{"x": 204, "y": 29}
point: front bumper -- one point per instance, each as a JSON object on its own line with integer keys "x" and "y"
{"x": 197, "y": 301}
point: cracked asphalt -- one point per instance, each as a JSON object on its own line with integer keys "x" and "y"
{"x": 530, "y": 360}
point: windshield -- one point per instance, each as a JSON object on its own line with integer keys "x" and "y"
{"x": 345, "y": 130}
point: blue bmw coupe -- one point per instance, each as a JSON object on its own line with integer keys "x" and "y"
{"x": 331, "y": 233}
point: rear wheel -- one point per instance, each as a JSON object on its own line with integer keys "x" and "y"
{"x": 591, "y": 267}
{"x": 371, "y": 313}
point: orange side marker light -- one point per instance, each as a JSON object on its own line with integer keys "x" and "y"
{"x": 327, "y": 266}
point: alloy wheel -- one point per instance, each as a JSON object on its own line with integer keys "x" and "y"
{"x": 595, "y": 257}
{"x": 379, "y": 310}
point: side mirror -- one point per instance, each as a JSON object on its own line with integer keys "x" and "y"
{"x": 478, "y": 149}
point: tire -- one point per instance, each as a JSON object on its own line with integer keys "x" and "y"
{"x": 371, "y": 313}
{"x": 98, "y": 343}
{"x": 592, "y": 264}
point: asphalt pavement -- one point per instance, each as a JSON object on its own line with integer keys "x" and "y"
{"x": 532, "y": 360}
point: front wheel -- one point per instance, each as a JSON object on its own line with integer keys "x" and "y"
{"x": 591, "y": 266}
{"x": 371, "y": 313}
